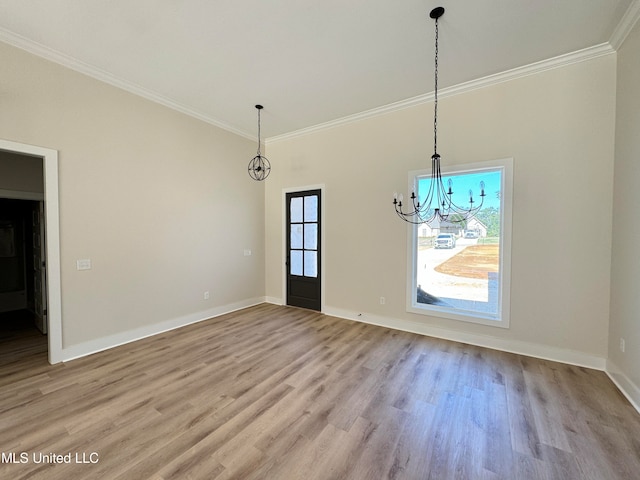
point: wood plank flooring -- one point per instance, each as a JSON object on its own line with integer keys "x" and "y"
{"x": 280, "y": 393}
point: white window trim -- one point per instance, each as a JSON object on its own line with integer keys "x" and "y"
{"x": 504, "y": 291}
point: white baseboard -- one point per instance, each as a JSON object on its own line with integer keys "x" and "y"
{"x": 506, "y": 345}
{"x": 105, "y": 343}
{"x": 274, "y": 300}
{"x": 624, "y": 384}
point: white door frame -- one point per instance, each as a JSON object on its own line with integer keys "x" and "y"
{"x": 52, "y": 218}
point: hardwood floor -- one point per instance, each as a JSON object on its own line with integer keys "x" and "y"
{"x": 281, "y": 393}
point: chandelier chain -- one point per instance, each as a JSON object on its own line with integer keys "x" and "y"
{"x": 435, "y": 96}
{"x": 259, "y": 131}
{"x": 435, "y": 203}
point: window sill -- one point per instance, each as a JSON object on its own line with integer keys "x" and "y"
{"x": 458, "y": 314}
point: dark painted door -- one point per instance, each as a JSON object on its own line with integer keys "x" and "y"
{"x": 303, "y": 249}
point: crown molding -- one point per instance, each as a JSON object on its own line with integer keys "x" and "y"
{"x": 54, "y": 56}
{"x": 629, "y": 20}
{"x": 625, "y": 26}
{"x": 515, "y": 73}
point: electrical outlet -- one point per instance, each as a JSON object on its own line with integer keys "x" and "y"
{"x": 206, "y": 295}
{"x": 622, "y": 346}
{"x": 382, "y": 300}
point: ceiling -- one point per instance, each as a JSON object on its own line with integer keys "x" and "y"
{"x": 307, "y": 61}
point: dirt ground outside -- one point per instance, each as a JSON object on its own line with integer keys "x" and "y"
{"x": 475, "y": 261}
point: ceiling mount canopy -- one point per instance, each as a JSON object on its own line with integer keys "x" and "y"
{"x": 437, "y": 204}
{"x": 437, "y": 12}
{"x": 259, "y": 166}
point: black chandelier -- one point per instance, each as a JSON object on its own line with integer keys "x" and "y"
{"x": 259, "y": 166}
{"x": 438, "y": 205}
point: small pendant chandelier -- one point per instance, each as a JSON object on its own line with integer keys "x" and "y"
{"x": 259, "y": 166}
{"x": 438, "y": 204}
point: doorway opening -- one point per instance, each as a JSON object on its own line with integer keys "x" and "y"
{"x": 30, "y": 294}
{"x": 23, "y": 301}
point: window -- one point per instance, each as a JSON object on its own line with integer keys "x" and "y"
{"x": 460, "y": 270}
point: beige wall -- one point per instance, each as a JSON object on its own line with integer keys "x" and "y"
{"x": 625, "y": 269}
{"x": 559, "y": 128}
{"x": 162, "y": 205}
{"x": 160, "y": 202}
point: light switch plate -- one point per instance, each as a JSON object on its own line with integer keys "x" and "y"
{"x": 84, "y": 264}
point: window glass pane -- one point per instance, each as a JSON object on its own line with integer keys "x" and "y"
{"x": 310, "y": 263}
{"x": 296, "y": 209}
{"x": 311, "y": 208}
{"x": 311, "y": 236}
{"x": 457, "y": 261}
{"x": 296, "y": 235}
{"x": 296, "y": 262}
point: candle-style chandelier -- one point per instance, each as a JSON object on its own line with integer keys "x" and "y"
{"x": 438, "y": 205}
{"x": 259, "y": 166}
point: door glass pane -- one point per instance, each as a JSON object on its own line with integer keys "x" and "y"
{"x": 296, "y": 209}
{"x": 296, "y": 235}
{"x": 310, "y": 263}
{"x": 296, "y": 262}
{"x": 311, "y": 208}
{"x": 311, "y": 236}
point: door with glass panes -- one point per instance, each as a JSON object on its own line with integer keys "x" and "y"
{"x": 303, "y": 249}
